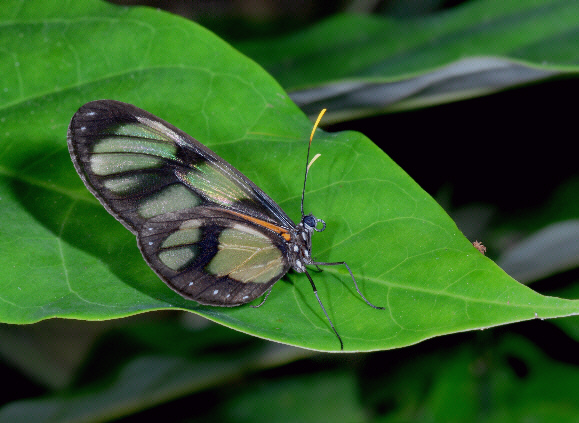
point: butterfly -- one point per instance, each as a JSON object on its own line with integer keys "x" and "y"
{"x": 205, "y": 229}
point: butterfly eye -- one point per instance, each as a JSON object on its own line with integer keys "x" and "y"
{"x": 311, "y": 222}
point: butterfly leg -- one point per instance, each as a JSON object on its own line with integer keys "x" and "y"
{"x": 264, "y": 298}
{"x": 324, "y": 310}
{"x": 339, "y": 263}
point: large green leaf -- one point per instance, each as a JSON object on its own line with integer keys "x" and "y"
{"x": 64, "y": 256}
{"x": 361, "y": 65}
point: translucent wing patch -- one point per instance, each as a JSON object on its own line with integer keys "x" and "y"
{"x": 169, "y": 199}
{"x": 211, "y": 182}
{"x": 246, "y": 255}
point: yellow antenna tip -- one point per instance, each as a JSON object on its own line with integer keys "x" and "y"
{"x": 317, "y": 123}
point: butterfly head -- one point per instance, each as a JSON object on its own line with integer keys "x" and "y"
{"x": 310, "y": 223}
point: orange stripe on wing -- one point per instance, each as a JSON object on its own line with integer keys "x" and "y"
{"x": 277, "y": 229}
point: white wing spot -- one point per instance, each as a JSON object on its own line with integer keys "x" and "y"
{"x": 151, "y": 242}
{"x": 306, "y": 253}
{"x": 83, "y": 128}
{"x": 190, "y": 283}
{"x": 216, "y": 292}
{"x": 228, "y": 295}
{"x": 296, "y": 249}
{"x": 91, "y": 114}
{"x": 246, "y": 297}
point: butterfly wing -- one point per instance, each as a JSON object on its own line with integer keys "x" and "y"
{"x": 210, "y": 233}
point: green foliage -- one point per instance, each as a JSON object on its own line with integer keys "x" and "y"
{"x": 358, "y": 65}
{"x": 65, "y": 256}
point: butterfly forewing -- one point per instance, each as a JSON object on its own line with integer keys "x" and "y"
{"x": 207, "y": 231}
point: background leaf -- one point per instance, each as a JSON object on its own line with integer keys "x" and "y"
{"x": 374, "y": 64}
{"x": 177, "y": 362}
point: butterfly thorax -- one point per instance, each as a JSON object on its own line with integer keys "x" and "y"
{"x": 300, "y": 245}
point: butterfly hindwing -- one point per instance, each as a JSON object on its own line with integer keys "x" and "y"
{"x": 206, "y": 230}
{"x": 214, "y": 257}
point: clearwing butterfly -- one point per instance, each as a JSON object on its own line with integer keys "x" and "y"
{"x": 207, "y": 231}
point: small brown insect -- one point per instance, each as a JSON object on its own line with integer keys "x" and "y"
{"x": 479, "y": 246}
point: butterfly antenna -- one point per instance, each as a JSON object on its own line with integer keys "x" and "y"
{"x": 308, "y": 163}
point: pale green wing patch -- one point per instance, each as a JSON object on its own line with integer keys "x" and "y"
{"x": 213, "y": 183}
{"x": 135, "y": 145}
{"x": 125, "y": 185}
{"x": 178, "y": 258}
{"x": 112, "y": 164}
{"x": 179, "y": 249}
{"x": 172, "y": 198}
{"x": 246, "y": 255}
